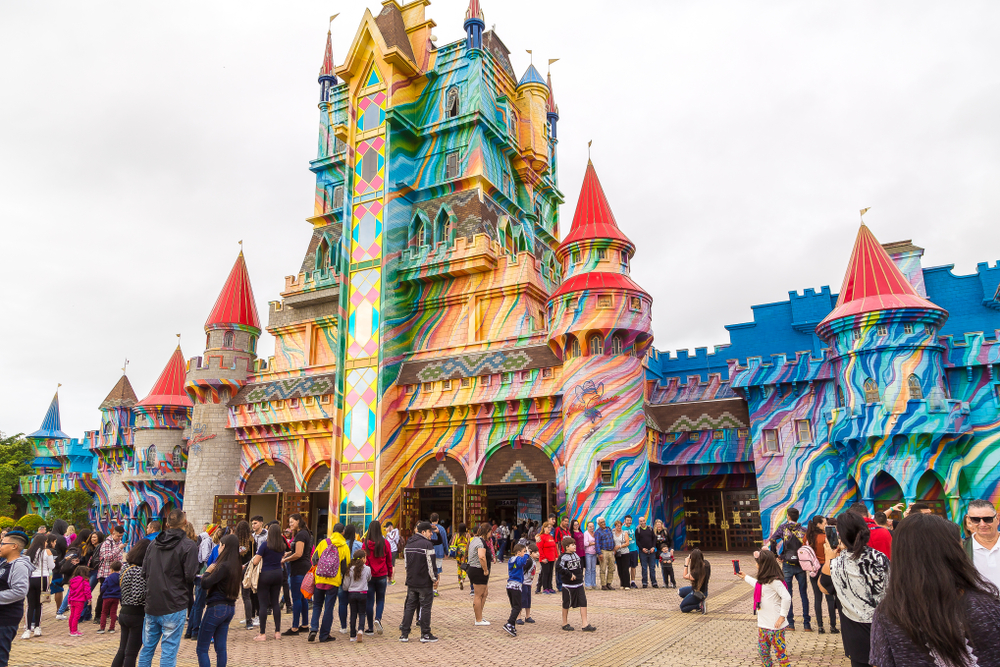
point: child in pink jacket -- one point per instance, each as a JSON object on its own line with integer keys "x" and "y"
{"x": 79, "y": 597}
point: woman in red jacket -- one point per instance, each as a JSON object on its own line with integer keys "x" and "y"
{"x": 378, "y": 554}
{"x": 547, "y": 555}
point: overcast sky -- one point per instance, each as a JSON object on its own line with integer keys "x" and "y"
{"x": 139, "y": 142}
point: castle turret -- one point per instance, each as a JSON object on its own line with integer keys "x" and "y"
{"x": 327, "y": 77}
{"x": 600, "y": 327}
{"x": 113, "y": 446}
{"x": 474, "y": 25}
{"x": 532, "y": 101}
{"x": 552, "y": 115}
{"x": 232, "y": 329}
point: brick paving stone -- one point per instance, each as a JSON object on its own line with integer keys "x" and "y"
{"x": 642, "y": 628}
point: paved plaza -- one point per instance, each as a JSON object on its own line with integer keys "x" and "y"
{"x": 641, "y": 627}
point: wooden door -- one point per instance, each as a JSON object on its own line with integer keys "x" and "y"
{"x": 294, "y": 503}
{"x": 552, "y": 500}
{"x": 703, "y": 514}
{"x": 742, "y": 514}
{"x": 409, "y": 509}
{"x": 228, "y": 511}
{"x": 457, "y": 505}
{"x": 475, "y": 506}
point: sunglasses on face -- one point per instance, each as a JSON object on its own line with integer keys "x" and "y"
{"x": 984, "y": 519}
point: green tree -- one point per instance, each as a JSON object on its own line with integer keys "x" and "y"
{"x": 15, "y": 460}
{"x": 72, "y": 506}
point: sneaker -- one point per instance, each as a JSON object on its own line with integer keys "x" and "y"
{"x": 807, "y": 629}
{"x": 324, "y": 640}
{"x": 472, "y": 594}
{"x": 256, "y": 622}
{"x": 38, "y": 632}
{"x": 520, "y": 621}
{"x": 437, "y": 595}
{"x": 361, "y": 636}
{"x": 112, "y": 631}
{"x": 821, "y": 631}
{"x": 632, "y": 585}
{"x": 26, "y": 635}
{"x": 404, "y": 638}
{"x": 704, "y": 606}
{"x": 354, "y": 639}
{"x": 100, "y": 631}
{"x": 510, "y": 629}
{"x": 790, "y": 628}
{"x": 62, "y": 617}
{"x": 378, "y": 626}
{"x": 370, "y": 633}
{"x": 645, "y": 586}
{"x": 343, "y": 631}
{"x": 312, "y": 636}
{"x": 656, "y": 585}
{"x": 589, "y": 628}
{"x": 76, "y": 634}
{"x": 428, "y": 639}
{"x": 568, "y": 628}
{"x": 243, "y": 621}
{"x": 392, "y": 583}
{"x": 529, "y": 620}
{"x": 291, "y": 632}
{"x": 482, "y": 622}
{"x": 834, "y": 631}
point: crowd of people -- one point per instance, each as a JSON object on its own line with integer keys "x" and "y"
{"x": 939, "y": 607}
{"x": 178, "y": 584}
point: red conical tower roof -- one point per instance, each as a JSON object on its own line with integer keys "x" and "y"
{"x": 474, "y": 11}
{"x": 550, "y": 104}
{"x": 593, "y": 218}
{"x": 327, "y": 68}
{"x": 235, "y": 304}
{"x": 873, "y": 283}
{"x": 169, "y": 388}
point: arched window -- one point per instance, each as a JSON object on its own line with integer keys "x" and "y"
{"x": 151, "y": 456}
{"x": 452, "y": 111}
{"x": 228, "y": 339}
{"x": 322, "y": 255}
{"x": 108, "y": 427}
{"x": 841, "y": 403}
{"x": 871, "y": 391}
{"x": 552, "y": 267}
{"x": 253, "y": 344}
{"x": 616, "y": 345}
{"x": 178, "y": 457}
{"x": 420, "y": 234}
{"x": 441, "y": 227}
{"x": 573, "y": 348}
{"x": 916, "y": 393}
{"x": 509, "y": 241}
{"x": 596, "y": 346}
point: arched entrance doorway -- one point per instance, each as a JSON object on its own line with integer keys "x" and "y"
{"x": 518, "y": 483}
{"x": 930, "y": 491}
{"x": 886, "y": 492}
{"x": 439, "y": 487}
{"x": 267, "y": 486}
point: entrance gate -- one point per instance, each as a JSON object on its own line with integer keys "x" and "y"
{"x": 722, "y": 519}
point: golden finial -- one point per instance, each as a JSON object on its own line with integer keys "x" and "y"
{"x": 863, "y": 211}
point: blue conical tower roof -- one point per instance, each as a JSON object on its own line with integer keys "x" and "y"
{"x": 531, "y": 75}
{"x": 51, "y": 425}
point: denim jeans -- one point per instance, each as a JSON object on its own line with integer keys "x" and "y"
{"x": 169, "y": 628}
{"x": 590, "y": 575}
{"x": 689, "y": 602}
{"x": 7, "y": 634}
{"x": 197, "y": 609}
{"x": 342, "y": 600}
{"x": 376, "y": 600}
{"x": 320, "y": 596}
{"x": 794, "y": 572}
{"x": 300, "y": 605}
{"x": 215, "y": 625}
{"x": 648, "y": 562}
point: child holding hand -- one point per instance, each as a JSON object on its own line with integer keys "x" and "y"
{"x": 667, "y": 566}
{"x": 520, "y": 561}
{"x": 771, "y": 601}
{"x": 79, "y": 597}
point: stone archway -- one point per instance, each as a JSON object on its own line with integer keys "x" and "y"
{"x": 268, "y": 477}
{"x": 522, "y": 465}
{"x": 446, "y": 472}
{"x": 885, "y": 491}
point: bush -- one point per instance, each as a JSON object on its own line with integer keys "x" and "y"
{"x": 6, "y": 522}
{"x": 30, "y": 523}
{"x": 72, "y": 506}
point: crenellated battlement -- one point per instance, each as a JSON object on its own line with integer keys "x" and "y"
{"x": 227, "y": 362}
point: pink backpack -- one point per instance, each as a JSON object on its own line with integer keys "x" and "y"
{"x": 808, "y": 560}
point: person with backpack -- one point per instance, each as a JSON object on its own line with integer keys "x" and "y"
{"x": 329, "y": 557}
{"x": 421, "y": 577}
{"x": 816, "y": 549}
{"x": 791, "y": 535}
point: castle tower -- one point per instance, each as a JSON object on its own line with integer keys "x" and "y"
{"x": 156, "y": 476}
{"x": 113, "y": 447}
{"x": 552, "y": 115}
{"x": 532, "y": 97}
{"x": 600, "y": 327}
{"x": 888, "y": 370}
{"x": 327, "y": 78}
{"x": 474, "y": 25}
{"x": 232, "y": 328}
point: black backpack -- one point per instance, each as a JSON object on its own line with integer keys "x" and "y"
{"x": 790, "y": 548}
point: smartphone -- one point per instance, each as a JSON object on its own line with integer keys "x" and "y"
{"x": 736, "y": 566}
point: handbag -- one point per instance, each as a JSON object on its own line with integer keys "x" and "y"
{"x": 252, "y": 575}
{"x": 309, "y": 583}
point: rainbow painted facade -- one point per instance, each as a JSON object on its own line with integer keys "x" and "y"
{"x": 440, "y": 350}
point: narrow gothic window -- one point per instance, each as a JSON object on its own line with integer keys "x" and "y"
{"x": 596, "y": 345}
{"x": 338, "y": 197}
{"x": 441, "y": 227}
{"x": 253, "y": 344}
{"x": 369, "y": 165}
{"x": 840, "y": 398}
{"x": 420, "y": 234}
{"x": 574, "y": 349}
{"x": 451, "y": 166}
{"x": 228, "y": 339}
{"x": 151, "y": 456}
{"x": 916, "y": 393}
{"x": 178, "y": 456}
{"x": 908, "y": 328}
{"x": 452, "y": 102}
{"x": 871, "y": 391}
{"x": 616, "y": 345}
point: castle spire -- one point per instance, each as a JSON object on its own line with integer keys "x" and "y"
{"x": 873, "y": 283}
{"x": 235, "y": 304}
{"x": 169, "y": 387}
{"x": 121, "y": 396}
{"x": 593, "y": 218}
{"x": 327, "y": 78}
{"x": 51, "y": 424}
{"x": 474, "y": 25}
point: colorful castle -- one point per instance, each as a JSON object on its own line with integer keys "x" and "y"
{"x": 440, "y": 350}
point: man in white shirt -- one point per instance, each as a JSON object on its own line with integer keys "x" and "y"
{"x": 984, "y": 546}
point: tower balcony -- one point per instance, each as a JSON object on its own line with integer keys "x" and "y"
{"x": 49, "y": 483}
{"x": 931, "y": 417}
{"x": 442, "y": 261}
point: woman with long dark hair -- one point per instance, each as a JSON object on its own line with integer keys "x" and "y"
{"x": 248, "y": 547}
{"x": 938, "y": 609}
{"x": 859, "y": 576}
{"x": 221, "y": 582}
{"x": 298, "y": 564}
{"x": 269, "y": 555}
{"x": 343, "y": 599}
{"x": 75, "y": 555}
{"x": 771, "y": 604}
{"x": 40, "y": 555}
{"x": 816, "y": 539}
{"x": 479, "y": 570}
{"x": 378, "y": 554}
{"x": 132, "y": 615}
{"x": 548, "y": 554}
{"x": 698, "y": 571}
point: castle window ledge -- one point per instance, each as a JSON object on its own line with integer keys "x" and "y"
{"x": 328, "y": 218}
{"x": 463, "y": 258}
{"x": 152, "y": 476}
{"x": 325, "y": 162}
